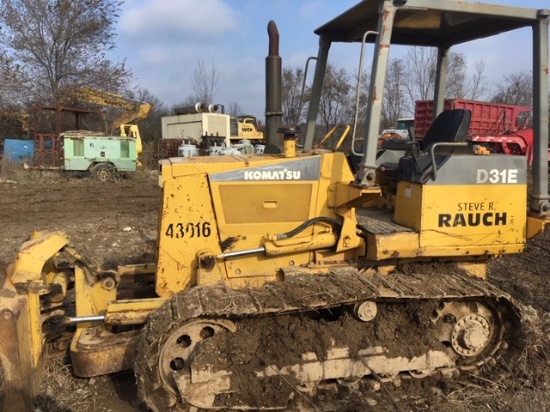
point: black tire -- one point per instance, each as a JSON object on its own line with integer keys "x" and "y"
{"x": 104, "y": 172}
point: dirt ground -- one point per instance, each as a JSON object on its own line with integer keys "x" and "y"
{"x": 117, "y": 223}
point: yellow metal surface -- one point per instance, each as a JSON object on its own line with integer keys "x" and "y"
{"x": 349, "y": 195}
{"x": 448, "y": 227}
{"x": 392, "y": 246}
{"x": 247, "y": 128}
{"x": 133, "y": 110}
{"x": 188, "y": 225}
{"x": 408, "y": 205}
{"x": 131, "y": 312}
{"x": 34, "y": 259}
{"x": 535, "y": 225}
{"x": 92, "y": 298}
{"x": 318, "y": 240}
{"x": 137, "y": 269}
{"x": 348, "y": 238}
{"x": 241, "y": 205}
{"x": 22, "y": 343}
{"x": 289, "y": 148}
{"x": 20, "y": 358}
{"x": 34, "y": 254}
{"x": 96, "y": 351}
{"x": 273, "y": 202}
{"x": 341, "y": 139}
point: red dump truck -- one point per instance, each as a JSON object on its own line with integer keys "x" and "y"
{"x": 502, "y": 128}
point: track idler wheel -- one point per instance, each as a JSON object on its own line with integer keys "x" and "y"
{"x": 157, "y": 385}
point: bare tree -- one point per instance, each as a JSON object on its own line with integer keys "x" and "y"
{"x": 291, "y": 94}
{"x": 56, "y": 45}
{"x": 205, "y": 82}
{"x": 337, "y": 103}
{"x": 421, "y": 64}
{"x": 336, "y": 99}
{"x": 189, "y": 101}
{"x": 478, "y": 83}
{"x": 421, "y": 67}
{"x": 457, "y": 77}
{"x": 234, "y": 109}
{"x": 150, "y": 127}
{"x": 395, "y": 103}
{"x": 461, "y": 85}
{"x": 516, "y": 88}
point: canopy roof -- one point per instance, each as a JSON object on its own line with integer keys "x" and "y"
{"x": 437, "y": 23}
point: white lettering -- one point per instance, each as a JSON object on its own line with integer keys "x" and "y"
{"x": 496, "y": 176}
{"x": 284, "y": 174}
{"x": 481, "y": 176}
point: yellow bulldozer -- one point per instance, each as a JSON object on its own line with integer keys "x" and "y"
{"x": 383, "y": 261}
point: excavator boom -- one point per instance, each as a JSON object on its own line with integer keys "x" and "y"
{"x": 133, "y": 110}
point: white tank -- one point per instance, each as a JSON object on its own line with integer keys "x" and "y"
{"x": 188, "y": 150}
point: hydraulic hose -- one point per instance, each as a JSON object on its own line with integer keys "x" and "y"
{"x": 308, "y": 223}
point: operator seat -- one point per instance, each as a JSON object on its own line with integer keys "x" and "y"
{"x": 411, "y": 160}
{"x": 440, "y": 142}
{"x": 450, "y": 126}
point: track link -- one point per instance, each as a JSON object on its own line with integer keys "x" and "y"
{"x": 286, "y": 338}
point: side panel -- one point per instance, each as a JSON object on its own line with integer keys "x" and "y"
{"x": 476, "y": 206}
{"x": 254, "y": 202}
{"x": 222, "y": 204}
{"x": 187, "y": 225}
{"x": 81, "y": 152}
{"x": 195, "y": 125}
{"x": 478, "y": 220}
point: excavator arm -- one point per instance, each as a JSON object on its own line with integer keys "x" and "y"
{"x": 134, "y": 110}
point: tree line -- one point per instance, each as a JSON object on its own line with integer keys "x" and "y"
{"x": 51, "y": 48}
{"x": 409, "y": 79}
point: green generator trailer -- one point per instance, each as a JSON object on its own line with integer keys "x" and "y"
{"x": 102, "y": 156}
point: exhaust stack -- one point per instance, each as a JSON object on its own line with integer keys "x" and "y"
{"x": 273, "y": 80}
{"x": 197, "y": 108}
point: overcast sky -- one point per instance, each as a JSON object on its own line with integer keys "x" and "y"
{"x": 162, "y": 41}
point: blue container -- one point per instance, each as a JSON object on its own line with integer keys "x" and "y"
{"x": 19, "y": 150}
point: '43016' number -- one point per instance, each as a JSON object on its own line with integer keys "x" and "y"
{"x": 181, "y": 230}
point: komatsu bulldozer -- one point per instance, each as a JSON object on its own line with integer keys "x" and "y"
{"x": 383, "y": 264}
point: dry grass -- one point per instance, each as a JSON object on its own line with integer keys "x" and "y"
{"x": 149, "y": 157}
{"x": 58, "y": 385}
{"x": 12, "y": 172}
{"x": 534, "y": 362}
{"x": 60, "y": 391}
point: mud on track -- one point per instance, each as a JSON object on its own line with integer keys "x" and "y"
{"x": 113, "y": 223}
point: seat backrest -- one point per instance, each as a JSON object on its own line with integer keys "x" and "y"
{"x": 449, "y": 126}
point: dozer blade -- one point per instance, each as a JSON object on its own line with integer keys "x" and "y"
{"x": 20, "y": 377}
{"x": 22, "y": 345}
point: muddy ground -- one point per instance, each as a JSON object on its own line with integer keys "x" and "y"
{"x": 117, "y": 223}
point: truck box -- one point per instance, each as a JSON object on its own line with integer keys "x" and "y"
{"x": 487, "y": 118}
